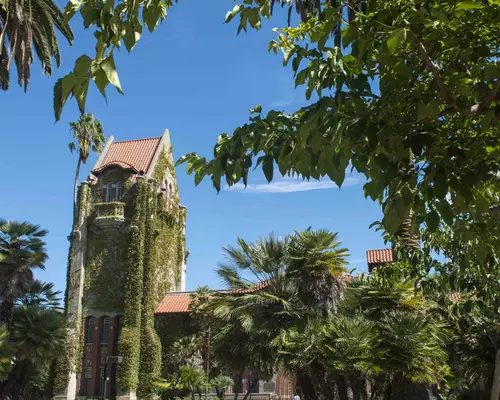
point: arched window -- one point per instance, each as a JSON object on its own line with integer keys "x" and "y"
{"x": 170, "y": 191}
{"x": 109, "y": 192}
{"x": 119, "y": 190}
{"x": 90, "y": 329}
{"x": 105, "y": 330}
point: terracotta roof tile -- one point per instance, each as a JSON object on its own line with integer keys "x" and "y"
{"x": 174, "y": 303}
{"x": 455, "y": 297}
{"x": 133, "y": 154}
{"x": 379, "y": 256}
{"x": 178, "y": 302}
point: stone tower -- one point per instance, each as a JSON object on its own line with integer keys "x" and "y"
{"x": 127, "y": 251}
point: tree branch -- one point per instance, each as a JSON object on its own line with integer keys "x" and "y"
{"x": 443, "y": 89}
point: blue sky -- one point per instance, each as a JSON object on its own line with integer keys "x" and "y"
{"x": 195, "y": 77}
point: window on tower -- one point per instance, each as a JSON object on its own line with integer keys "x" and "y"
{"x": 105, "y": 330}
{"x": 109, "y": 192}
{"x": 90, "y": 329}
{"x": 119, "y": 190}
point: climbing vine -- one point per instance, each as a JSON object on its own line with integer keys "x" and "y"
{"x": 130, "y": 339}
{"x": 150, "y": 360}
{"x": 104, "y": 274}
{"x": 70, "y": 359}
{"x": 130, "y": 266}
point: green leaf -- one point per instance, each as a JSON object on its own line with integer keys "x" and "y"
{"x": 432, "y": 220}
{"x": 133, "y": 30}
{"x": 349, "y": 33}
{"x": 108, "y": 66}
{"x": 231, "y": 14}
{"x": 90, "y": 15}
{"x": 396, "y": 38}
{"x": 58, "y": 103}
{"x": 101, "y": 81}
{"x": 70, "y": 9}
{"x": 82, "y": 66}
{"x": 301, "y": 77}
{"x": 395, "y": 211}
{"x": 268, "y": 168}
{"x": 62, "y": 90}
{"x": 80, "y": 92}
{"x": 468, "y": 5}
{"x": 428, "y": 111}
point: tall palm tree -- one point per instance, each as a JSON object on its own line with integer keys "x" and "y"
{"x": 26, "y": 28}
{"x": 21, "y": 250}
{"x": 88, "y": 135}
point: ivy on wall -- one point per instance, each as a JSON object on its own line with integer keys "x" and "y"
{"x": 130, "y": 339}
{"x": 70, "y": 359}
{"x": 150, "y": 358}
{"x": 104, "y": 273}
{"x": 128, "y": 270}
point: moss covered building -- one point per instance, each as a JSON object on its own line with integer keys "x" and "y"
{"x": 127, "y": 251}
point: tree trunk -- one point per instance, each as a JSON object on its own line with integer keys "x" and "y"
{"x": 495, "y": 388}
{"x": 75, "y": 186}
{"x": 6, "y": 311}
{"x": 307, "y": 386}
{"x": 404, "y": 389}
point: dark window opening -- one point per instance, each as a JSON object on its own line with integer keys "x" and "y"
{"x": 105, "y": 330}
{"x": 90, "y": 329}
{"x": 119, "y": 191}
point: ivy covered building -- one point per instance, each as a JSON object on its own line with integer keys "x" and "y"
{"x": 127, "y": 251}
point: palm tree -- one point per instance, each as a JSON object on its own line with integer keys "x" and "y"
{"x": 41, "y": 294}
{"x": 38, "y": 334}
{"x": 88, "y": 135}
{"x": 21, "y": 250}
{"x": 192, "y": 379}
{"x": 317, "y": 264}
{"x": 26, "y": 28}
{"x": 222, "y": 383}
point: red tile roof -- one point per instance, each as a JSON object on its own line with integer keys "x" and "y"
{"x": 455, "y": 297}
{"x": 379, "y": 256}
{"x": 131, "y": 154}
{"x": 174, "y": 303}
{"x": 178, "y": 302}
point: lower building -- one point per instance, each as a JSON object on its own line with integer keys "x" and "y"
{"x": 173, "y": 321}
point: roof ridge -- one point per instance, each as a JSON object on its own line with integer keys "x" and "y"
{"x": 137, "y": 140}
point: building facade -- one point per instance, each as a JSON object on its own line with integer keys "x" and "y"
{"x": 127, "y": 251}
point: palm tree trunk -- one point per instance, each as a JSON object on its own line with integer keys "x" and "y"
{"x": 307, "y": 386}
{"x": 6, "y": 311}
{"x": 495, "y": 389}
{"x": 75, "y": 188}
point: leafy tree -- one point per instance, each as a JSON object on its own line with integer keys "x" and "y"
{"x": 317, "y": 264}
{"x": 88, "y": 136}
{"x": 222, "y": 383}
{"x": 384, "y": 335}
{"x": 407, "y": 94}
{"x": 28, "y": 28}
{"x": 192, "y": 379}
{"x": 21, "y": 250}
{"x": 38, "y": 335}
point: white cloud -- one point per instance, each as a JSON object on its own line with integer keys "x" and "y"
{"x": 361, "y": 260}
{"x": 288, "y": 185}
{"x": 282, "y": 103}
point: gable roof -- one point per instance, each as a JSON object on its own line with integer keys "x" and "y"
{"x": 378, "y": 257}
{"x": 129, "y": 154}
